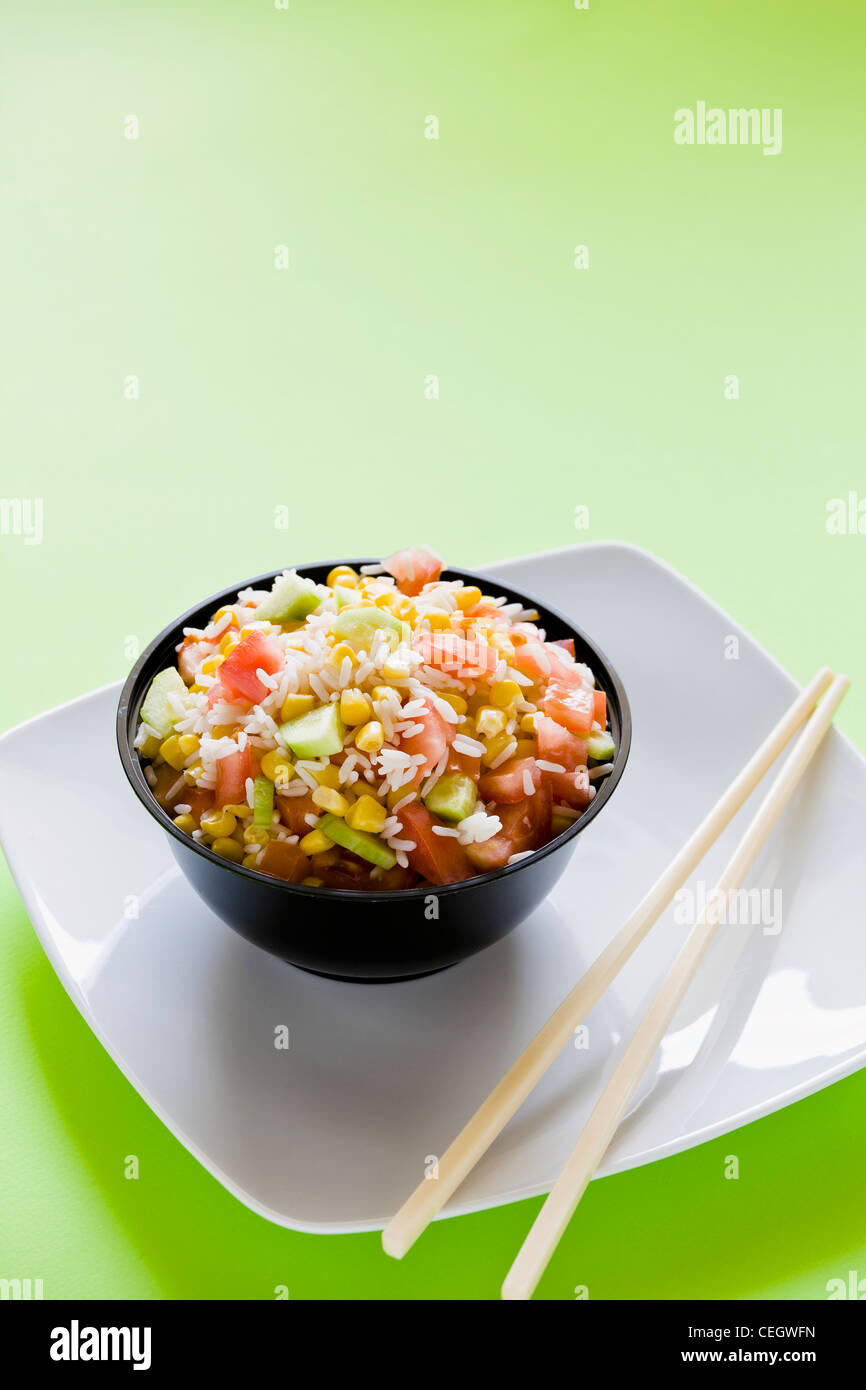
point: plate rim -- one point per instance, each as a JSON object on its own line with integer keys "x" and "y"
{"x": 679, "y": 1144}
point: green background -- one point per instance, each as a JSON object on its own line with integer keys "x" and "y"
{"x": 304, "y": 388}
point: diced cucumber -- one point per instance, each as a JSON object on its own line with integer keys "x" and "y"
{"x": 344, "y": 597}
{"x": 453, "y": 797}
{"x": 263, "y": 801}
{"x": 157, "y": 710}
{"x": 317, "y": 734}
{"x": 600, "y": 746}
{"x": 359, "y": 625}
{"x": 291, "y": 599}
{"x": 360, "y": 842}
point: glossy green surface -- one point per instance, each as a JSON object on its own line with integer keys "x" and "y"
{"x": 190, "y": 414}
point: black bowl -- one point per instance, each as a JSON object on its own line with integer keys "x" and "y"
{"x": 356, "y": 935}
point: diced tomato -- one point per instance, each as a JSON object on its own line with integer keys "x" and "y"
{"x": 525, "y": 825}
{"x": 232, "y": 772}
{"x": 413, "y": 568}
{"x": 506, "y": 783}
{"x": 437, "y": 734}
{"x": 464, "y": 762}
{"x": 284, "y": 861}
{"x": 571, "y": 705}
{"x": 558, "y": 745}
{"x": 294, "y": 811}
{"x": 396, "y": 878}
{"x": 438, "y": 858}
{"x": 567, "y": 643}
{"x": 532, "y": 659}
{"x": 483, "y": 610}
{"x": 562, "y": 668}
{"x": 600, "y": 711}
{"x": 337, "y": 869}
{"x": 216, "y": 693}
{"x": 198, "y": 800}
{"x": 451, "y": 652}
{"x": 238, "y": 671}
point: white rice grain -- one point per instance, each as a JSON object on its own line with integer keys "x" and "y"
{"x": 507, "y": 752}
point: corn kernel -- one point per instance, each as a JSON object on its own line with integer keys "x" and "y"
{"x": 526, "y": 748}
{"x": 456, "y": 702}
{"x": 468, "y": 597}
{"x": 276, "y": 766}
{"x": 312, "y": 881}
{"x": 399, "y": 794}
{"x": 229, "y": 849}
{"x": 220, "y": 824}
{"x": 504, "y": 693}
{"x": 407, "y": 611}
{"x": 489, "y": 721}
{"x": 370, "y": 737}
{"x": 367, "y": 814}
{"x": 496, "y": 745}
{"x": 341, "y": 651}
{"x": 437, "y": 618}
{"x": 315, "y": 843}
{"x": 185, "y": 823}
{"x": 355, "y": 707}
{"x": 296, "y": 705}
{"x": 327, "y": 776}
{"x": 211, "y": 665}
{"x": 389, "y": 599}
{"x": 330, "y": 800}
{"x": 561, "y": 823}
{"x": 230, "y": 640}
{"x": 342, "y": 574}
{"x": 221, "y": 612}
{"x": 198, "y": 689}
{"x": 241, "y": 812}
{"x": 397, "y": 668}
{"x": 256, "y": 835}
{"x": 170, "y": 751}
{"x": 382, "y": 692}
{"x": 502, "y": 644}
{"x": 192, "y": 775}
{"x": 527, "y": 723}
{"x": 250, "y": 861}
{"x": 222, "y": 730}
{"x": 150, "y": 747}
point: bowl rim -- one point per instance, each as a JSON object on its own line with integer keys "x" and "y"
{"x": 133, "y": 768}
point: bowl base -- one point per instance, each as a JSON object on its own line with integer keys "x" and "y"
{"x": 374, "y": 979}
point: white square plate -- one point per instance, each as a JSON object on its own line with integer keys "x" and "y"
{"x": 332, "y": 1134}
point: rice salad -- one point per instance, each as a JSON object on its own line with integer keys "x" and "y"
{"x": 383, "y": 730}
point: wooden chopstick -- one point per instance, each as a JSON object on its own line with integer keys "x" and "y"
{"x": 509, "y": 1094}
{"x": 601, "y": 1126}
